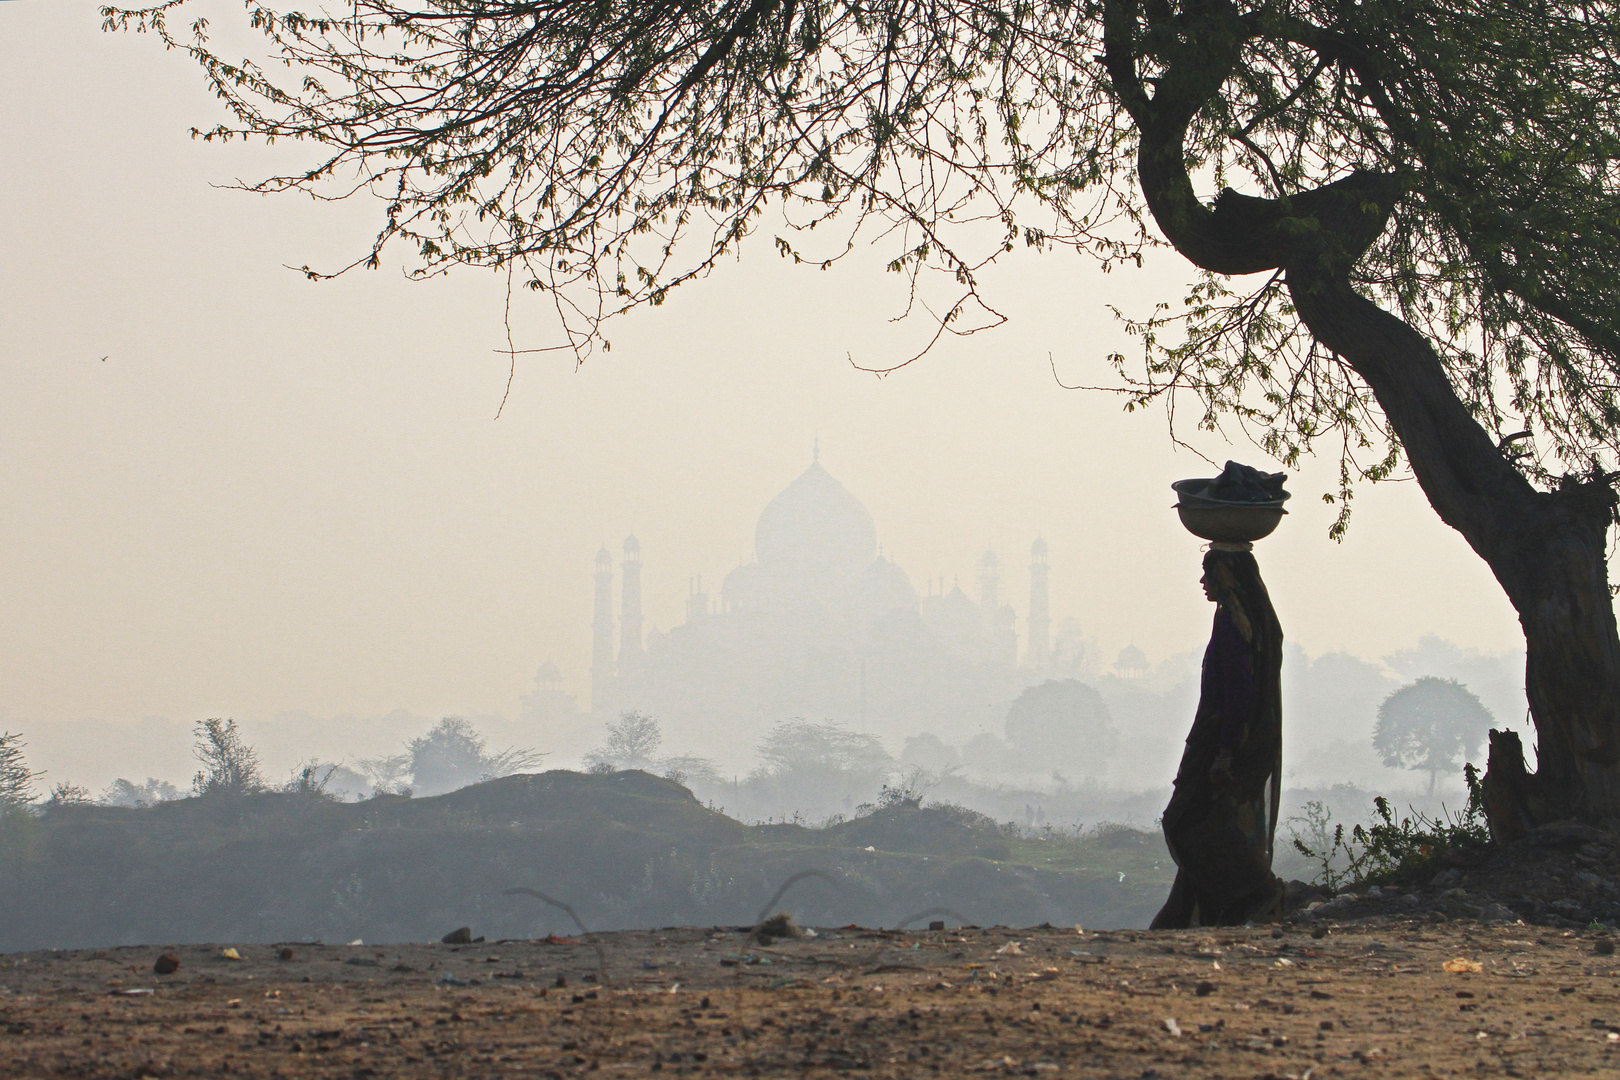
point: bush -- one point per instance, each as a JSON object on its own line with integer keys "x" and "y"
{"x": 230, "y": 766}
{"x": 123, "y": 792}
{"x": 1387, "y": 849}
{"x": 16, "y": 778}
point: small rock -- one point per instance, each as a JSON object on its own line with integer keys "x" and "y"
{"x": 1446, "y": 878}
{"x": 285, "y": 953}
{"x": 1495, "y": 913}
{"x": 168, "y": 964}
{"x": 1319, "y": 933}
{"x": 459, "y": 936}
{"x": 1603, "y": 947}
{"x": 1204, "y": 989}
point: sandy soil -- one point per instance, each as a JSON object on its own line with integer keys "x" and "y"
{"x": 1367, "y": 1000}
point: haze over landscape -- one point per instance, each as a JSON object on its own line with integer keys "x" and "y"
{"x": 231, "y": 491}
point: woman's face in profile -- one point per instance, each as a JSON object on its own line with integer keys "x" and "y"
{"x": 1209, "y": 593}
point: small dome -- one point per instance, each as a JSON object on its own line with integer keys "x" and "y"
{"x": 604, "y": 558}
{"x": 548, "y": 673}
{"x": 1038, "y": 548}
{"x": 815, "y": 529}
{"x": 631, "y": 544}
{"x": 884, "y": 587}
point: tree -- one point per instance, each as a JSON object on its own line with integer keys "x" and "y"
{"x": 16, "y": 778}
{"x": 1062, "y": 724}
{"x": 123, "y": 792}
{"x": 1430, "y": 725}
{"x": 452, "y": 755}
{"x": 810, "y": 766}
{"x": 1420, "y": 199}
{"x": 230, "y": 766}
{"x": 631, "y": 742}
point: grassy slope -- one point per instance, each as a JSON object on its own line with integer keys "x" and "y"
{"x": 625, "y": 849}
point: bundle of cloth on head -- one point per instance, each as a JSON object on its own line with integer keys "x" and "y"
{"x": 1243, "y": 484}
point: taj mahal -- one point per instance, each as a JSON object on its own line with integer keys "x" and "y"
{"x": 820, "y": 625}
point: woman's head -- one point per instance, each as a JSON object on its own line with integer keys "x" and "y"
{"x": 1232, "y": 580}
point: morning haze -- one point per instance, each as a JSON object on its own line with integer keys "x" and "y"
{"x": 234, "y": 492}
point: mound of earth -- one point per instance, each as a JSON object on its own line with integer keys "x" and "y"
{"x": 1563, "y": 875}
{"x": 622, "y": 849}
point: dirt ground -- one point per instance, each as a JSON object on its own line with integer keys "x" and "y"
{"x": 1369, "y": 999}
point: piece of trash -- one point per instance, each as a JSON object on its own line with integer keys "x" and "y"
{"x": 167, "y": 964}
{"x": 780, "y": 925}
{"x": 1012, "y": 948}
{"x": 1283, "y": 961}
{"x": 1172, "y": 1027}
{"x": 674, "y": 987}
{"x": 868, "y": 847}
{"x": 1462, "y": 965}
{"x": 553, "y": 939}
{"x": 460, "y": 936}
{"x": 356, "y": 941}
{"x": 450, "y": 980}
{"x": 230, "y": 954}
{"x": 1079, "y": 929}
{"x": 937, "y": 924}
{"x": 132, "y": 991}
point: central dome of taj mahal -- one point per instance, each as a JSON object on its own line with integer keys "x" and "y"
{"x": 815, "y": 529}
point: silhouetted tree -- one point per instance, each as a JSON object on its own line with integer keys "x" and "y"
{"x": 123, "y": 792}
{"x": 452, "y": 755}
{"x": 16, "y": 778}
{"x": 230, "y": 766}
{"x": 1430, "y": 725}
{"x": 1428, "y": 206}
{"x": 1062, "y": 724}
{"x": 631, "y": 742}
{"x": 809, "y": 765}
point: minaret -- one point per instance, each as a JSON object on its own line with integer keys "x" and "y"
{"x": 631, "y": 653}
{"x": 602, "y": 638}
{"x": 1039, "y": 654}
{"x": 989, "y": 582}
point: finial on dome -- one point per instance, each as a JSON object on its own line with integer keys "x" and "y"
{"x": 815, "y": 450}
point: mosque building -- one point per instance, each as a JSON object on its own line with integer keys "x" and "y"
{"x": 821, "y": 625}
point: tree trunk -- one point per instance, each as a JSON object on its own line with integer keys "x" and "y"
{"x": 1547, "y": 549}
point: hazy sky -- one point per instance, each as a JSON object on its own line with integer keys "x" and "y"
{"x": 275, "y": 494}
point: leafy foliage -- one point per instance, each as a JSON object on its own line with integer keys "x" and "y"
{"x": 452, "y": 755}
{"x": 230, "y": 765}
{"x": 631, "y": 742}
{"x": 1062, "y": 724}
{"x": 1387, "y": 849}
{"x": 16, "y": 778}
{"x": 604, "y": 153}
{"x": 1430, "y": 725}
{"x": 123, "y": 792}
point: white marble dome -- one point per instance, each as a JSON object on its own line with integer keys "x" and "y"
{"x": 815, "y": 530}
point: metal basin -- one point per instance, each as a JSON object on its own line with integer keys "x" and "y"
{"x": 1230, "y": 523}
